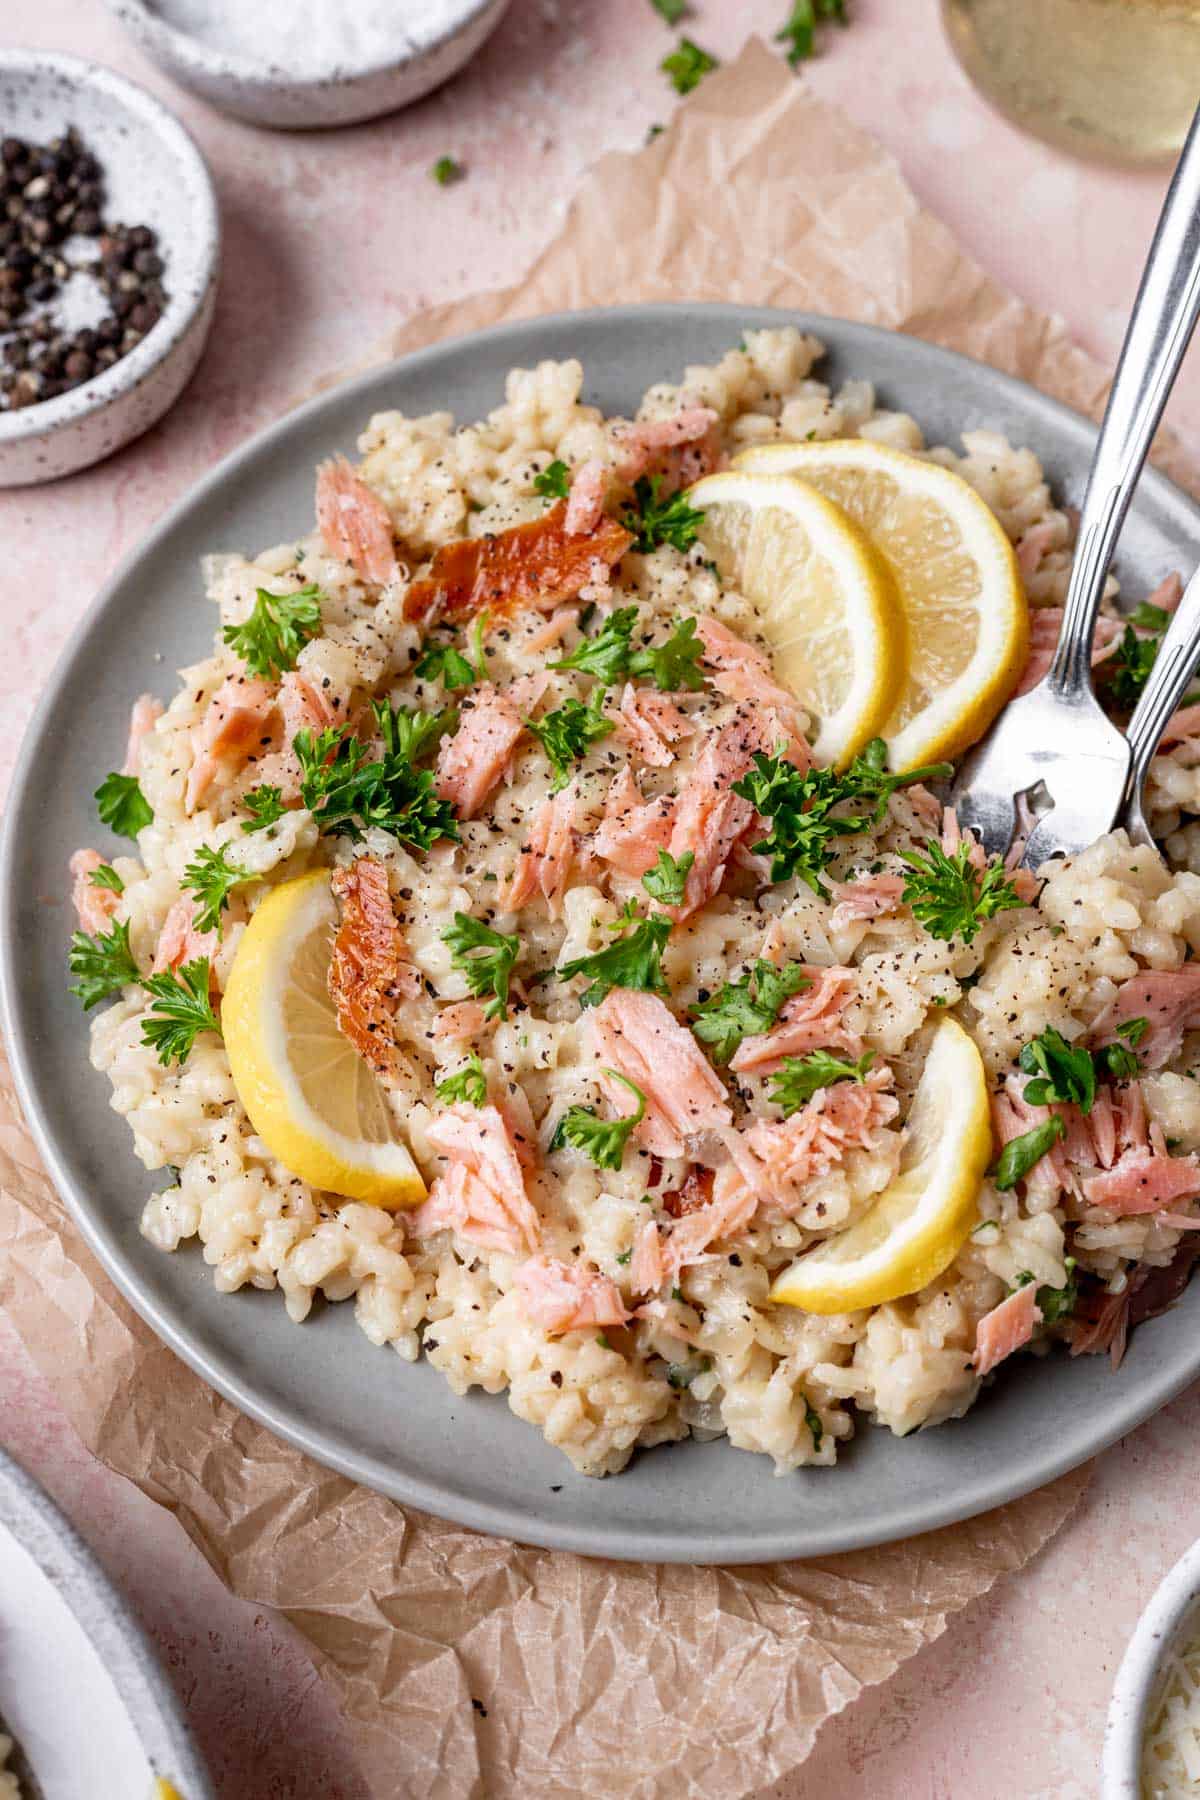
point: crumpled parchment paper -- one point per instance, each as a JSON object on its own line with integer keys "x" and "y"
{"x": 588, "y": 1678}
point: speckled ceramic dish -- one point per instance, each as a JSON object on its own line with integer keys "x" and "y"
{"x": 67, "y": 1636}
{"x": 396, "y": 1426}
{"x": 431, "y": 41}
{"x": 155, "y": 176}
{"x": 1171, "y": 1620}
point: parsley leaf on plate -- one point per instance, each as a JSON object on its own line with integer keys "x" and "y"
{"x": 271, "y": 639}
{"x": 180, "y": 1010}
{"x": 606, "y": 654}
{"x": 950, "y": 896}
{"x": 812, "y": 1419}
{"x": 603, "y": 1140}
{"x": 104, "y": 964}
{"x": 265, "y": 806}
{"x": 800, "y": 1077}
{"x": 211, "y": 878}
{"x": 800, "y": 31}
{"x": 670, "y": 10}
{"x": 412, "y": 734}
{"x": 674, "y": 664}
{"x": 446, "y": 171}
{"x": 122, "y": 805}
{"x": 611, "y": 656}
{"x": 736, "y": 1012}
{"x": 486, "y": 957}
{"x": 106, "y": 877}
{"x": 634, "y": 961}
{"x": 348, "y": 794}
{"x": 687, "y": 65}
{"x": 1021, "y": 1153}
{"x": 445, "y": 663}
{"x": 666, "y": 882}
{"x": 569, "y": 733}
{"x": 653, "y": 521}
{"x": 553, "y": 482}
{"x": 1057, "y": 1304}
{"x": 469, "y": 1084}
{"x": 1063, "y": 1072}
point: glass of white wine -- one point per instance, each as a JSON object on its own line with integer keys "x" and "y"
{"x": 1113, "y": 79}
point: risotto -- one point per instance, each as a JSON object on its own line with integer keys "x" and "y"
{"x": 643, "y": 1058}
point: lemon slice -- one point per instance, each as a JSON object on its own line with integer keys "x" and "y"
{"x": 957, "y": 577}
{"x": 918, "y": 1225}
{"x": 311, "y": 1097}
{"x": 823, "y": 596}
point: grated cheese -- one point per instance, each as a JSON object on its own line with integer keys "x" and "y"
{"x": 1171, "y": 1747}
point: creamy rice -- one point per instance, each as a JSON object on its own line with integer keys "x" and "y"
{"x": 773, "y": 1379}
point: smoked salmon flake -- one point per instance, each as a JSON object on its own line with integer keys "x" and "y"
{"x": 540, "y": 564}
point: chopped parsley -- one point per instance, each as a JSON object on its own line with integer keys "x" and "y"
{"x": 682, "y": 1375}
{"x": 446, "y": 171}
{"x": 180, "y": 1010}
{"x": 1119, "y": 1060}
{"x": 271, "y": 639}
{"x": 745, "y": 1008}
{"x": 411, "y": 735}
{"x": 653, "y": 521}
{"x": 486, "y": 957}
{"x": 666, "y": 882}
{"x": 670, "y": 10}
{"x": 801, "y": 807}
{"x": 568, "y": 734}
{"x": 265, "y": 806}
{"x": 469, "y": 1084}
{"x": 812, "y": 1419}
{"x": 1021, "y": 1153}
{"x": 1063, "y": 1072}
{"x": 1130, "y": 667}
{"x": 687, "y": 65}
{"x": 447, "y": 664}
{"x": 634, "y": 961}
{"x": 554, "y": 482}
{"x": 211, "y": 878}
{"x": 603, "y": 1140}
{"x": 800, "y": 1077}
{"x": 950, "y": 896}
{"x": 607, "y": 654}
{"x": 348, "y": 794}
{"x": 801, "y": 29}
{"x": 1057, "y": 1304}
{"x": 106, "y": 877}
{"x": 122, "y": 805}
{"x": 610, "y": 655}
{"x": 104, "y": 964}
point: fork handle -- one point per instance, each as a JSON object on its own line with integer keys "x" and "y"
{"x": 1160, "y": 327}
{"x": 1165, "y": 687}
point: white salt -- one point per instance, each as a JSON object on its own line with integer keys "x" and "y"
{"x": 310, "y": 39}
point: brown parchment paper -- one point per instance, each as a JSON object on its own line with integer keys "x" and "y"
{"x": 597, "y": 1679}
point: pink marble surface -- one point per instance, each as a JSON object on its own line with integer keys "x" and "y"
{"x": 329, "y": 241}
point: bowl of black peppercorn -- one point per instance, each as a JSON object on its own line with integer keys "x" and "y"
{"x": 109, "y": 251}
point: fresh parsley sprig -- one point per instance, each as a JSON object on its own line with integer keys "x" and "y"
{"x": 666, "y": 882}
{"x": 1063, "y": 1073}
{"x": 800, "y": 1077}
{"x": 745, "y": 1008}
{"x": 412, "y": 734}
{"x": 634, "y": 961}
{"x": 801, "y": 29}
{"x": 447, "y": 170}
{"x": 348, "y": 794}
{"x": 469, "y": 1084}
{"x": 606, "y": 654}
{"x": 653, "y": 521}
{"x": 485, "y": 957}
{"x": 612, "y": 656}
{"x": 180, "y": 1010}
{"x": 603, "y": 1140}
{"x": 104, "y": 964}
{"x": 211, "y": 878}
{"x": 447, "y": 664}
{"x": 670, "y": 10}
{"x": 554, "y": 482}
{"x": 265, "y": 806}
{"x": 569, "y": 733}
{"x": 105, "y": 876}
{"x": 122, "y": 805}
{"x": 271, "y": 639}
{"x": 950, "y": 896}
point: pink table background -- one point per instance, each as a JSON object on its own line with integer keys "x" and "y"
{"x": 330, "y": 240}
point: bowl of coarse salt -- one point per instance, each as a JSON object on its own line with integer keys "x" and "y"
{"x": 109, "y": 250}
{"x": 306, "y": 64}
{"x": 1152, "y": 1739}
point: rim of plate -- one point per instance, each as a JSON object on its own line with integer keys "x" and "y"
{"x": 977, "y": 1492}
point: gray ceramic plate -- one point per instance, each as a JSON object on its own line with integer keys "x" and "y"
{"x": 399, "y": 1428}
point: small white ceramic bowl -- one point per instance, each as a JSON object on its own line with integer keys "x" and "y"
{"x": 432, "y": 40}
{"x": 1170, "y": 1621}
{"x": 154, "y": 176}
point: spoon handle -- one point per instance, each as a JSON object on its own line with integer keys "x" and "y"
{"x": 1165, "y": 687}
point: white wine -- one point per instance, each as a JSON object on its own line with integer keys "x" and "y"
{"x": 1115, "y": 79}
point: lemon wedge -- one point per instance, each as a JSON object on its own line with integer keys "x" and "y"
{"x": 311, "y": 1097}
{"x": 823, "y": 596}
{"x": 957, "y": 578}
{"x": 918, "y": 1225}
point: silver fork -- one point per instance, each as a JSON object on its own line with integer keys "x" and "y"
{"x": 1057, "y": 735}
{"x": 1166, "y": 685}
